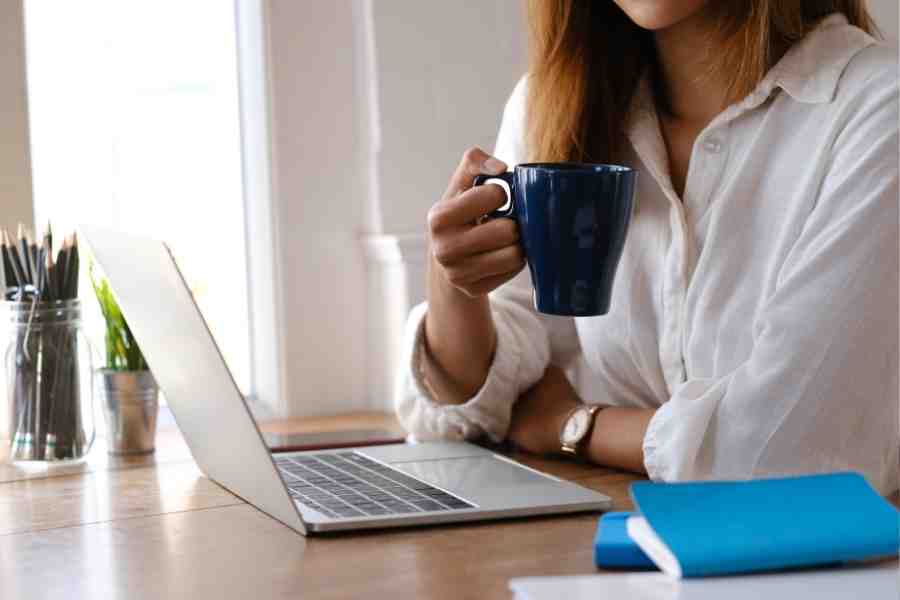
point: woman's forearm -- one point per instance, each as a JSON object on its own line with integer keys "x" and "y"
{"x": 617, "y": 438}
{"x": 467, "y": 260}
{"x": 460, "y": 337}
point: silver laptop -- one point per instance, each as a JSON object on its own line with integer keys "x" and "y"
{"x": 351, "y": 488}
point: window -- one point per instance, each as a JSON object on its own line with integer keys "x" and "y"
{"x": 135, "y": 125}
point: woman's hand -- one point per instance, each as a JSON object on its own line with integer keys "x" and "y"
{"x": 539, "y": 414}
{"x": 474, "y": 258}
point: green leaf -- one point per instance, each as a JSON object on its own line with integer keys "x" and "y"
{"x": 122, "y": 350}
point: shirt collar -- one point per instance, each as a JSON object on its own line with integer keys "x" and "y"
{"x": 810, "y": 70}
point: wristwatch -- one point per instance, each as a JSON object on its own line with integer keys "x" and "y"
{"x": 577, "y": 428}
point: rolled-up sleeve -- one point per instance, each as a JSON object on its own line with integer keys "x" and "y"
{"x": 819, "y": 391}
{"x": 520, "y": 358}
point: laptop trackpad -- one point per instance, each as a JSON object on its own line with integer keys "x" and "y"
{"x": 485, "y": 481}
{"x": 398, "y": 453}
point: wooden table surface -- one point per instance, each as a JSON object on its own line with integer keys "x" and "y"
{"x": 155, "y": 527}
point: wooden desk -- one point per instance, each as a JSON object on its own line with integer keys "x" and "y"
{"x": 156, "y": 528}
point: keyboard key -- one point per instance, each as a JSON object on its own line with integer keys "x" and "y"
{"x": 406, "y": 495}
{"x": 318, "y": 507}
{"x": 429, "y": 505}
{"x": 442, "y": 497}
{"x": 399, "y": 507}
{"x": 377, "y": 511}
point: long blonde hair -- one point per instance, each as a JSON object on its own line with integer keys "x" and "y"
{"x": 587, "y": 56}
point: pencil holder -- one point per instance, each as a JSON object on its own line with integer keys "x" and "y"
{"x": 49, "y": 370}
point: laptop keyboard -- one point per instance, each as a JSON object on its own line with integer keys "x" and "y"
{"x": 347, "y": 484}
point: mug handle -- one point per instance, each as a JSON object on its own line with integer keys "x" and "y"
{"x": 509, "y": 211}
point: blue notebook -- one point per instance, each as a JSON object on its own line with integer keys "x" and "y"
{"x": 717, "y": 528}
{"x": 614, "y": 549}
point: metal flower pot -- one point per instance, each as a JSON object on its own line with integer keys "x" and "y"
{"x": 130, "y": 401}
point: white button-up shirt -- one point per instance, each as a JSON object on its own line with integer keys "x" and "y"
{"x": 759, "y": 313}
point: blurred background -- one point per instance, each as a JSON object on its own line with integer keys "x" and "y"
{"x": 288, "y": 151}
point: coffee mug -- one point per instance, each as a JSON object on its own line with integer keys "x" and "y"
{"x": 572, "y": 220}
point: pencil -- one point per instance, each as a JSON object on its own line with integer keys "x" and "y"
{"x": 33, "y": 255}
{"x": 60, "y": 269}
{"x": 72, "y": 271}
{"x": 50, "y": 271}
{"x": 42, "y": 282}
{"x": 48, "y": 291}
{"x": 9, "y": 274}
{"x": 66, "y": 261}
{"x": 24, "y": 249}
{"x": 14, "y": 261}
{"x": 48, "y": 239}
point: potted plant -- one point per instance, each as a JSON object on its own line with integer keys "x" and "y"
{"x": 125, "y": 386}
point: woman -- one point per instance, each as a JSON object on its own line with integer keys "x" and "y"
{"x": 753, "y": 328}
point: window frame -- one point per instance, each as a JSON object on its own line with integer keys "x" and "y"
{"x": 264, "y": 273}
{"x": 307, "y": 170}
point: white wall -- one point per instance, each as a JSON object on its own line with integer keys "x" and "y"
{"x": 15, "y": 166}
{"x": 445, "y": 70}
{"x": 887, "y": 15}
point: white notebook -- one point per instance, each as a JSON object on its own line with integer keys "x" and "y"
{"x": 880, "y": 580}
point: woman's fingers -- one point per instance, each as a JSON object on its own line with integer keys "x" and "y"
{"x": 465, "y": 209}
{"x": 480, "y": 288}
{"x": 462, "y": 204}
{"x": 475, "y": 161}
{"x": 491, "y": 235}
{"x": 509, "y": 259}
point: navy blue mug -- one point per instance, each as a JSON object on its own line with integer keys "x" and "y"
{"x": 572, "y": 220}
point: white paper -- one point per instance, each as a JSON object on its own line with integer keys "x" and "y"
{"x": 869, "y": 582}
{"x": 643, "y": 535}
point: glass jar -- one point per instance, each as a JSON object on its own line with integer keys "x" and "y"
{"x": 49, "y": 371}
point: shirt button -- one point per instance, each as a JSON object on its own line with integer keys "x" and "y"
{"x": 712, "y": 145}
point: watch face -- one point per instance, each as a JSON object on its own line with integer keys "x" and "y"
{"x": 576, "y": 426}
